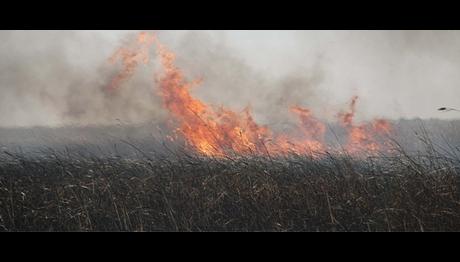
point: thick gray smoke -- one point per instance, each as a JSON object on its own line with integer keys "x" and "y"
{"x": 52, "y": 78}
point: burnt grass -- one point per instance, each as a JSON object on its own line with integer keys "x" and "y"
{"x": 62, "y": 192}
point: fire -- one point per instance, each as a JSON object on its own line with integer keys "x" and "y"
{"x": 347, "y": 117}
{"x": 211, "y": 131}
{"x": 131, "y": 57}
{"x": 310, "y": 137}
{"x": 219, "y": 131}
{"x": 364, "y": 137}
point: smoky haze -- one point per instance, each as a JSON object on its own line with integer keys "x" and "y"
{"x": 55, "y": 78}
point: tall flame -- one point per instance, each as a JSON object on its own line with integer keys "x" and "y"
{"x": 131, "y": 57}
{"x": 219, "y": 131}
{"x": 312, "y": 132}
{"x": 364, "y": 137}
{"x": 212, "y": 131}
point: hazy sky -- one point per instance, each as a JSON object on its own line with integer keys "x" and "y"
{"x": 55, "y": 77}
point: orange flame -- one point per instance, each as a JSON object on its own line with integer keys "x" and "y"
{"x": 312, "y": 132}
{"x": 131, "y": 57}
{"x": 211, "y": 131}
{"x": 219, "y": 131}
{"x": 364, "y": 137}
{"x": 347, "y": 117}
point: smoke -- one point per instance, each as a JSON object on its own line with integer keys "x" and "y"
{"x": 52, "y": 78}
{"x": 58, "y": 78}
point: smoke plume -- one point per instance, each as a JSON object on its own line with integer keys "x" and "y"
{"x": 55, "y": 78}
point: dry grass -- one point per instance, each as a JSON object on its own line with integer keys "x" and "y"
{"x": 62, "y": 192}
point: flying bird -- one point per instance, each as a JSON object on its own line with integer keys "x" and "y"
{"x": 446, "y": 109}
